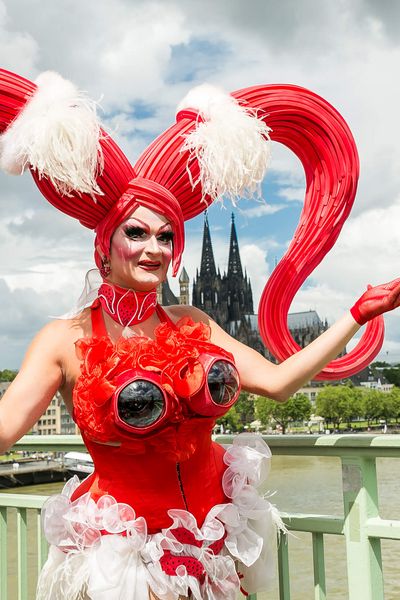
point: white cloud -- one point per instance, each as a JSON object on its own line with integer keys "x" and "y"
{"x": 367, "y": 251}
{"x": 119, "y": 50}
{"x": 24, "y": 312}
{"x": 264, "y": 209}
{"x": 292, "y": 193}
{"x": 18, "y": 49}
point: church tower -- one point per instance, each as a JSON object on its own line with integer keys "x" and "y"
{"x": 229, "y": 299}
{"x": 207, "y": 286}
{"x": 238, "y": 288}
{"x": 184, "y": 287}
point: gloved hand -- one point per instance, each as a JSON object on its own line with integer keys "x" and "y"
{"x": 376, "y": 300}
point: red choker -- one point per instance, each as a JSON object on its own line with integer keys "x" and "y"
{"x": 126, "y": 307}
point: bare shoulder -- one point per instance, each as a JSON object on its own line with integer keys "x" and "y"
{"x": 51, "y": 333}
{"x": 56, "y": 334}
{"x": 179, "y": 311}
{"x": 78, "y": 326}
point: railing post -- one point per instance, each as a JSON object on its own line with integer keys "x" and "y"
{"x": 283, "y": 568}
{"x": 319, "y": 566}
{"x": 22, "y": 554}
{"x": 360, "y": 498}
{"x": 3, "y": 553}
{"x": 42, "y": 546}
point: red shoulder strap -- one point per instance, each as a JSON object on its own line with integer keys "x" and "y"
{"x": 98, "y": 325}
{"x": 164, "y": 318}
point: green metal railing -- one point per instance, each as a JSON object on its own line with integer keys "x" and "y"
{"x": 361, "y": 525}
{"x": 22, "y": 503}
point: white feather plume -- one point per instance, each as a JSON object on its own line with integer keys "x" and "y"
{"x": 231, "y": 145}
{"x": 64, "y": 575}
{"x": 58, "y": 135}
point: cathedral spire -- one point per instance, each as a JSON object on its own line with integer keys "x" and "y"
{"x": 207, "y": 268}
{"x": 234, "y": 262}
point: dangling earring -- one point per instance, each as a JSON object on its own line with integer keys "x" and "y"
{"x": 105, "y": 268}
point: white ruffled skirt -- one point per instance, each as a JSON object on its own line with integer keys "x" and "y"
{"x": 101, "y": 551}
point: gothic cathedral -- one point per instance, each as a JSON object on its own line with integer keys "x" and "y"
{"x": 228, "y": 298}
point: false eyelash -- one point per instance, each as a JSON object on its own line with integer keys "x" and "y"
{"x": 168, "y": 235}
{"x": 134, "y": 231}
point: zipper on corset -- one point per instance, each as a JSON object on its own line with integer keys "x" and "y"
{"x": 178, "y": 472}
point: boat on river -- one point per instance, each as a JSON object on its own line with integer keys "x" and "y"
{"x": 78, "y": 463}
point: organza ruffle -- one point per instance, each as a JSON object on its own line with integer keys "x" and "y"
{"x": 106, "y": 549}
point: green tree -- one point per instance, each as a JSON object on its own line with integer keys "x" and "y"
{"x": 373, "y": 404}
{"x": 230, "y": 421}
{"x": 295, "y": 409}
{"x": 264, "y": 408}
{"x": 240, "y": 415}
{"x": 379, "y": 364}
{"x": 388, "y": 407}
{"x": 394, "y": 399}
{"x": 8, "y": 375}
{"x": 338, "y": 404}
{"x": 392, "y": 374}
{"x": 245, "y": 409}
{"x": 353, "y": 408}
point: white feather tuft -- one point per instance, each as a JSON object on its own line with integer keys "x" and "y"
{"x": 231, "y": 145}
{"x": 58, "y": 135}
{"x": 64, "y": 575}
{"x": 277, "y": 519}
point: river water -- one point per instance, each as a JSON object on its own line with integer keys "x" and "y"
{"x": 301, "y": 484}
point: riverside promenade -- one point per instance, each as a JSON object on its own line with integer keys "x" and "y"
{"x": 30, "y": 472}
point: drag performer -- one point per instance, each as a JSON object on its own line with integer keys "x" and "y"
{"x": 167, "y": 513}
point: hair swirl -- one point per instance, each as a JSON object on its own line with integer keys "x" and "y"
{"x": 319, "y": 136}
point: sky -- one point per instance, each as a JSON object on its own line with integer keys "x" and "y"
{"x": 139, "y": 58}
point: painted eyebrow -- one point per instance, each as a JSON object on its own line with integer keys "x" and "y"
{"x": 166, "y": 227}
{"x": 142, "y": 224}
{"x": 146, "y": 227}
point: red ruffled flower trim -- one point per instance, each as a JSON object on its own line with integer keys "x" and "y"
{"x": 173, "y": 354}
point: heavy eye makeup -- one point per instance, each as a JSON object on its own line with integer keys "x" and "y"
{"x": 166, "y": 236}
{"x": 135, "y": 232}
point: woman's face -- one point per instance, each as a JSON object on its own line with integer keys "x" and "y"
{"x": 141, "y": 250}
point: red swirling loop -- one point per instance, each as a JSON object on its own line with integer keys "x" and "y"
{"x": 319, "y": 136}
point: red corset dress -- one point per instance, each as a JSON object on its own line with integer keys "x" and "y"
{"x": 176, "y": 508}
{"x": 159, "y": 400}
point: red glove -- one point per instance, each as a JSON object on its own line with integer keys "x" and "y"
{"x": 376, "y": 300}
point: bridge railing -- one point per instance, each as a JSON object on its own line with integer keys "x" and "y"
{"x": 361, "y": 525}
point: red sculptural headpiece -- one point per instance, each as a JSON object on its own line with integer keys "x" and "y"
{"x": 217, "y": 147}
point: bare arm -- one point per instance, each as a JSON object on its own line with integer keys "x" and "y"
{"x": 259, "y": 376}
{"x": 35, "y": 385}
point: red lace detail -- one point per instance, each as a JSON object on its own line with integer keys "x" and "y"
{"x": 173, "y": 354}
{"x": 126, "y": 307}
{"x": 170, "y": 562}
{"x": 184, "y": 536}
